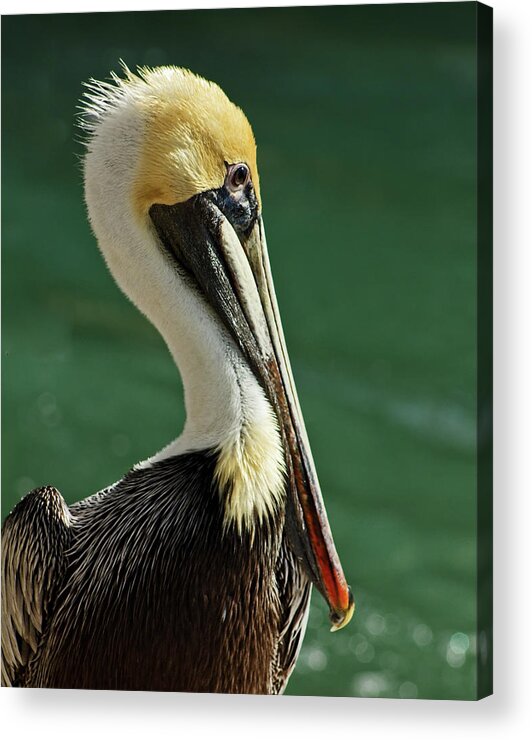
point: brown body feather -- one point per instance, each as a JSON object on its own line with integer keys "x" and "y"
{"x": 154, "y": 594}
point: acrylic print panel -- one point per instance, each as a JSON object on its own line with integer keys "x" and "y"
{"x": 193, "y": 572}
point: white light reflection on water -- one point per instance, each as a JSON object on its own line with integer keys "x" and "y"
{"x": 362, "y": 648}
{"x": 312, "y": 658}
{"x": 422, "y": 635}
{"x": 389, "y": 655}
{"x": 376, "y": 624}
{"x": 371, "y": 684}
{"x": 408, "y": 690}
{"x": 365, "y": 652}
{"x": 316, "y": 659}
{"x": 457, "y": 649}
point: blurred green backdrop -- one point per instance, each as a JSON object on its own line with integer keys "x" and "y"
{"x": 365, "y": 121}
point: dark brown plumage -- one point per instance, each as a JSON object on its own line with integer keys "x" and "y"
{"x": 150, "y": 593}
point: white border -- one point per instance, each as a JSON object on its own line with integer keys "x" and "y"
{"x": 69, "y": 714}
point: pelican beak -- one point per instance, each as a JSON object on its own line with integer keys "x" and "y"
{"x": 228, "y": 259}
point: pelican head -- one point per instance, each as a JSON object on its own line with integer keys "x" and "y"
{"x": 173, "y": 195}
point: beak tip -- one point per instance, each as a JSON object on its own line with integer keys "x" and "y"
{"x": 341, "y": 618}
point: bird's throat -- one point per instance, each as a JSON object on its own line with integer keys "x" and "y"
{"x": 227, "y": 412}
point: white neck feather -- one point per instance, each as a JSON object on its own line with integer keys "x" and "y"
{"x": 226, "y": 409}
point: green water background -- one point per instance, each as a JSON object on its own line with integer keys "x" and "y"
{"x": 365, "y": 122}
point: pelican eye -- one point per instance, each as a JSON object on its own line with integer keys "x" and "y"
{"x": 237, "y": 176}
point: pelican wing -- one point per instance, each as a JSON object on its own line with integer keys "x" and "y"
{"x": 34, "y": 540}
{"x": 294, "y": 593}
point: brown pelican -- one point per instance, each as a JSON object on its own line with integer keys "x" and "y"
{"x": 193, "y": 572}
